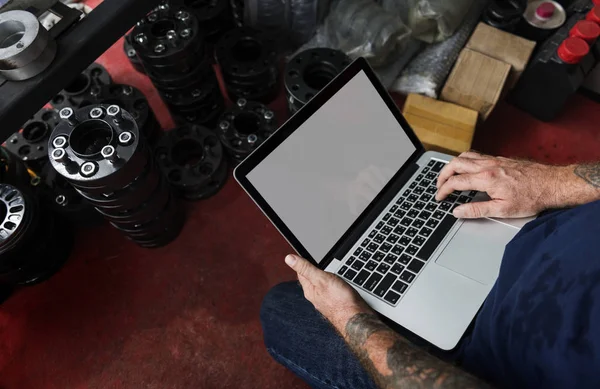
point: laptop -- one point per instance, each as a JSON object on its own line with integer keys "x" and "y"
{"x": 351, "y": 188}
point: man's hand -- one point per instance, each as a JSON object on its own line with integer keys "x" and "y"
{"x": 331, "y": 296}
{"x": 517, "y": 188}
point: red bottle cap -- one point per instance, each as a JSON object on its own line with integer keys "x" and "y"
{"x": 594, "y": 15}
{"x": 572, "y": 50}
{"x": 586, "y": 30}
{"x": 545, "y": 11}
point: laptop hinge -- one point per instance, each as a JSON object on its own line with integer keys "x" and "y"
{"x": 388, "y": 196}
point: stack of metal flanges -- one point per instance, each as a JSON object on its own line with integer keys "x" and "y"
{"x": 31, "y": 142}
{"x": 34, "y": 243}
{"x": 249, "y": 63}
{"x": 213, "y": 15}
{"x": 193, "y": 160}
{"x": 244, "y": 127}
{"x": 133, "y": 101}
{"x": 171, "y": 46}
{"x": 310, "y": 71}
{"x": 99, "y": 150}
{"x": 26, "y": 47}
{"x": 132, "y": 54}
{"x": 237, "y": 10}
{"x": 79, "y": 92}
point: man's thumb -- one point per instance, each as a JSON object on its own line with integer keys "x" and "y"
{"x": 300, "y": 265}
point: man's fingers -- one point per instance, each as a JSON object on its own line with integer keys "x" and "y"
{"x": 457, "y": 166}
{"x": 303, "y": 268}
{"x": 479, "y": 210}
{"x": 462, "y": 182}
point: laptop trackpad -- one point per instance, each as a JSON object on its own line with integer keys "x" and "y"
{"x": 476, "y": 249}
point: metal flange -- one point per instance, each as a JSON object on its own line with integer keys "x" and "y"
{"x": 81, "y": 91}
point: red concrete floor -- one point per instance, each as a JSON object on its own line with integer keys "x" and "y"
{"x": 186, "y": 315}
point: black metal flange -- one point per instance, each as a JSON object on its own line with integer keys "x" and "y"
{"x": 193, "y": 160}
{"x": 99, "y": 150}
{"x": 30, "y": 143}
{"x": 132, "y": 54}
{"x": 34, "y": 243}
{"x": 213, "y": 15}
{"x": 249, "y": 63}
{"x": 244, "y": 127}
{"x": 77, "y": 94}
{"x": 309, "y": 71}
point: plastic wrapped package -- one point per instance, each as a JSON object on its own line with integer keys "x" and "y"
{"x": 428, "y": 71}
{"x": 294, "y": 20}
{"x": 436, "y": 20}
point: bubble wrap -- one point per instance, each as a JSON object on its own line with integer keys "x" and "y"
{"x": 428, "y": 71}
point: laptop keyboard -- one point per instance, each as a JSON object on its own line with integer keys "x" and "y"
{"x": 388, "y": 260}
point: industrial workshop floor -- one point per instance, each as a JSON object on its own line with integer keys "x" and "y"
{"x": 186, "y": 316}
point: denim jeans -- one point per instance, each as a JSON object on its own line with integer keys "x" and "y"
{"x": 299, "y": 338}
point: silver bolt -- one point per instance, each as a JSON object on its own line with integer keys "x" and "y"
{"x": 140, "y": 23}
{"x": 131, "y": 53}
{"x": 61, "y": 200}
{"x": 60, "y": 156}
{"x": 183, "y": 16}
{"x": 14, "y": 140}
{"x": 69, "y": 115}
{"x": 269, "y": 115}
{"x": 96, "y": 113}
{"x": 163, "y": 6}
{"x": 127, "y": 90}
{"x": 186, "y": 33}
{"x": 159, "y": 48}
{"x": 252, "y": 139}
{"x": 152, "y": 17}
{"x": 196, "y": 92}
{"x": 172, "y": 36}
{"x": 125, "y": 138}
{"x": 115, "y": 110}
{"x": 88, "y": 169}
{"x": 59, "y": 141}
{"x": 141, "y": 38}
{"x": 109, "y": 152}
{"x": 224, "y": 126}
{"x": 241, "y": 103}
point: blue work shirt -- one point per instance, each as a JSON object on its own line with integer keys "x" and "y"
{"x": 540, "y": 325}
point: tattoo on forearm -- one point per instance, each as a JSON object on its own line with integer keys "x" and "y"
{"x": 407, "y": 365}
{"x": 590, "y": 173}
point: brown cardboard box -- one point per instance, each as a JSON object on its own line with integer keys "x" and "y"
{"x": 476, "y": 82}
{"x": 440, "y": 126}
{"x": 504, "y": 47}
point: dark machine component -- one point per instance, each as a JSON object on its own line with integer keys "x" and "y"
{"x": 237, "y": 10}
{"x": 12, "y": 170}
{"x": 99, "y": 150}
{"x": 193, "y": 160}
{"x": 170, "y": 44}
{"x": 30, "y": 144}
{"x": 78, "y": 93}
{"x": 249, "y": 63}
{"x": 133, "y": 101}
{"x": 60, "y": 196}
{"x": 505, "y": 14}
{"x": 132, "y": 55}
{"x": 244, "y": 127}
{"x": 308, "y": 72}
{"x": 34, "y": 243}
{"x": 214, "y": 16}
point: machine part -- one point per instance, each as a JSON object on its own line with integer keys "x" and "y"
{"x": 30, "y": 143}
{"x": 110, "y": 164}
{"x": 81, "y": 91}
{"x": 26, "y": 47}
{"x": 12, "y": 170}
{"x": 237, "y": 10}
{"x": 541, "y": 19}
{"x": 504, "y": 15}
{"x": 193, "y": 160}
{"x": 244, "y": 127}
{"x": 133, "y": 101}
{"x": 308, "y": 72}
{"x": 249, "y": 63}
{"x": 58, "y": 195}
{"x": 213, "y": 15}
{"x": 34, "y": 243}
{"x": 132, "y": 54}
{"x": 172, "y": 48}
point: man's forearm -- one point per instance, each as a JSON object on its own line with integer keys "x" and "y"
{"x": 577, "y": 185}
{"x": 396, "y": 363}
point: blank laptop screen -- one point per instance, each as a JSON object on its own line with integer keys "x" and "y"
{"x": 324, "y": 175}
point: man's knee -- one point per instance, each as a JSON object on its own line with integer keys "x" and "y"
{"x": 279, "y": 299}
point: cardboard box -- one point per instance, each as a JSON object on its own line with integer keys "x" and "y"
{"x": 476, "y": 82}
{"x": 503, "y": 46}
{"x": 439, "y": 125}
